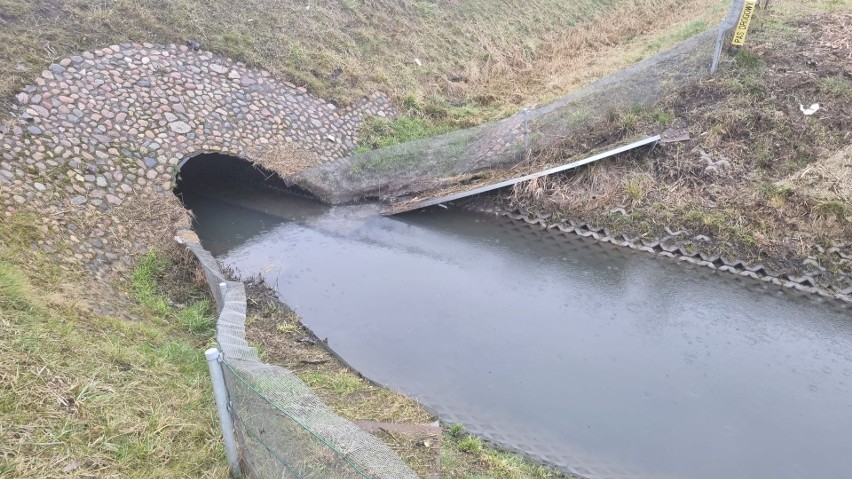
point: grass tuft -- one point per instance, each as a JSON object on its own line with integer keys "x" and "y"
{"x": 340, "y": 383}
{"x": 382, "y": 132}
{"x": 14, "y": 291}
{"x": 199, "y": 317}
{"x": 456, "y": 430}
{"x": 830, "y": 209}
{"x": 470, "y": 445}
{"x": 837, "y": 86}
{"x": 148, "y": 269}
{"x": 748, "y": 60}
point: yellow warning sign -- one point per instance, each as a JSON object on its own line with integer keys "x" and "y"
{"x": 745, "y": 20}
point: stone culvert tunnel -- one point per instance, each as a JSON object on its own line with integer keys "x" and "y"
{"x": 101, "y": 129}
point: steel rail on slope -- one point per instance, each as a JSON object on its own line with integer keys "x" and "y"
{"x": 495, "y": 186}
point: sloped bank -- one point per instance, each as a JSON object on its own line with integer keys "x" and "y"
{"x": 754, "y": 180}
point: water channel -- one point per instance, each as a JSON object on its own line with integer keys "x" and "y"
{"x": 600, "y": 360}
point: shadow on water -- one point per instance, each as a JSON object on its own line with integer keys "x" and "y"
{"x": 594, "y": 358}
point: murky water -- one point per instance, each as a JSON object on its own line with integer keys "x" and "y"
{"x": 605, "y": 361}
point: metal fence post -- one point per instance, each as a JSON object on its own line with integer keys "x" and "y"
{"x": 725, "y": 27}
{"x": 221, "y": 395}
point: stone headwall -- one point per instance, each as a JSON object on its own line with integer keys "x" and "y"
{"x": 99, "y": 128}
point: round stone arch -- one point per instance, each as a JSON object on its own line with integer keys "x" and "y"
{"x": 220, "y": 170}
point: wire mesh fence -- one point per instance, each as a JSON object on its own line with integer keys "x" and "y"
{"x": 428, "y": 166}
{"x": 283, "y": 429}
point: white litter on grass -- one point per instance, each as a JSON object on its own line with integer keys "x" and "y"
{"x": 810, "y": 110}
{"x": 418, "y": 62}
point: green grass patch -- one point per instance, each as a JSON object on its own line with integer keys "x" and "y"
{"x": 662, "y": 117}
{"x": 88, "y": 395}
{"x": 14, "y": 292}
{"x": 470, "y": 445}
{"x": 466, "y": 456}
{"x": 145, "y": 275}
{"x": 830, "y": 209}
{"x": 837, "y": 86}
{"x": 748, "y": 60}
{"x": 690, "y": 29}
{"x": 341, "y": 383}
{"x": 198, "y": 317}
{"x": 382, "y": 132}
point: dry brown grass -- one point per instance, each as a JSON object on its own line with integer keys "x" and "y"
{"x": 568, "y": 59}
{"x": 288, "y": 160}
{"x": 759, "y": 177}
{"x": 826, "y": 179}
{"x": 478, "y": 59}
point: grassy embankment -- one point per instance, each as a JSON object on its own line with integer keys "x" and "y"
{"x": 447, "y": 64}
{"x": 90, "y": 394}
{"x": 762, "y": 180}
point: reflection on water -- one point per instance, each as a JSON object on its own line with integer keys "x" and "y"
{"x": 594, "y": 358}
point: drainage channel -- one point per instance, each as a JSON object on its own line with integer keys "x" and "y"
{"x": 601, "y": 361}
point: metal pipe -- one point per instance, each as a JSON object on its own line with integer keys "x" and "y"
{"x": 220, "y": 392}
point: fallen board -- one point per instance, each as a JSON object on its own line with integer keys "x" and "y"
{"x": 484, "y": 189}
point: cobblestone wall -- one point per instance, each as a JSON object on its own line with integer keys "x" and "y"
{"x": 99, "y": 128}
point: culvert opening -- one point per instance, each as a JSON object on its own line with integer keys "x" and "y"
{"x": 216, "y": 175}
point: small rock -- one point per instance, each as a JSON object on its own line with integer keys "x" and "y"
{"x": 34, "y": 130}
{"x": 220, "y": 69}
{"x": 39, "y": 186}
{"x": 22, "y": 98}
{"x": 234, "y": 75}
{"x": 54, "y": 68}
{"x": 101, "y": 182}
{"x": 78, "y": 200}
{"x": 180, "y": 127}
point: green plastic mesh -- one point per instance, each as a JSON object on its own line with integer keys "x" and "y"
{"x": 425, "y": 166}
{"x": 284, "y": 429}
